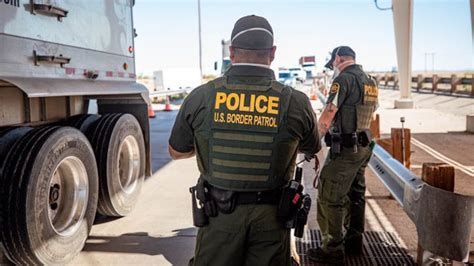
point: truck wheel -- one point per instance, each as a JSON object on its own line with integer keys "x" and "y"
{"x": 49, "y": 191}
{"x": 120, "y": 152}
{"x": 81, "y": 122}
{"x": 8, "y": 137}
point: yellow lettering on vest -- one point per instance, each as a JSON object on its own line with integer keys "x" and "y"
{"x": 242, "y": 106}
{"x": 220, "y": 99}
{"x": 273, "y": 105}
{"x": 257, "y": 120}
{"x": 371, "y": 90}
{"x": 232, "y": 106}
{"x": 252, "y": 102}
{"x": 258, "y": 101}
{"x": 219, "y": 117}
{"x": 248, "y": 102}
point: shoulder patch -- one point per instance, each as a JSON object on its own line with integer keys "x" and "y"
{"x": 335, "y": 87}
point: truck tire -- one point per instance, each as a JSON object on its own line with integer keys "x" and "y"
{"x": 49, "y": 192}
{"x": 8, "y": 137}
{"x": 81, "y": 122}
{"x": 120, "y": 153}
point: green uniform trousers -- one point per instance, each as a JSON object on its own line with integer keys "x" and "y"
{"x": 251, "y": 235}
{"x": 341, "y": 198}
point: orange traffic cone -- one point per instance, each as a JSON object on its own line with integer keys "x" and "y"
{"x": 151, "y": 112}
{"x": 312, "y": 95}
{"x": 167, "y": 104}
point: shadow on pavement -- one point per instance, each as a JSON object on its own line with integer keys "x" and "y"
{"x": 176, "y": 249}
{"x": 160, "y": 130}
{"x": 101, "y": 219}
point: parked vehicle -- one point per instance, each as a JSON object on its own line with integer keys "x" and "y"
{"x": 222, "y": 65}
{"x": 285, "y": 77}
{"x": 60, "y": 163}
{"x": 308, "y": 63}
{"x": 298, "y": 73}
{"x": 176, "y": 78}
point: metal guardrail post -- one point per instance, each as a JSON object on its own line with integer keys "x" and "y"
{"x": 419, "y": 82}
{"x": 453, "y": 81}
{"x": 438, "y": 175}
{"x": 443, "y": 219}
{"x": 435, "y": 81}
{"x": 472, "y": 85}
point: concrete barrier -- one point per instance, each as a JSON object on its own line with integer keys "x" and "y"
{"x": 470, "y": 123}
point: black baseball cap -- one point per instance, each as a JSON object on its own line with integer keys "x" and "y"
{"x": 341, "y": 51}
{"x": 252, "y": 33}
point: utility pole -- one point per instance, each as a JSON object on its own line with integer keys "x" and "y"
{"x": 425, "y": 61}
{"x": 432, "y": 61}
{"x": 200, "y": 41}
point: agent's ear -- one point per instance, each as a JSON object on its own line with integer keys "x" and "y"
{"x": 231, "y": 53}
{"x": 272, "y": 53}
{"x": 337, "y": 61}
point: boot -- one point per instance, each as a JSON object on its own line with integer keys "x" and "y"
{"x": 318, "y": 255}
{"x": 353, "y": 246}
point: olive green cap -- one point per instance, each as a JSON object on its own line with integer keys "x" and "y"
{"x": 252, "y": 33}
{"x": 341, "y": 51}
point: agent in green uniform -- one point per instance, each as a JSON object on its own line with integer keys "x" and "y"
{"x": 345, "y": 123}
{"x": 245, "y": 129}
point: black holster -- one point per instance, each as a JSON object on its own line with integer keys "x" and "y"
{"x": 294, "y": 206}
{"x": 202, "y": 204}
{"x": 225, "y": 200}
{"x": 334, "y": 141}
{"x": 289, "y": 202}
{"x": 301, "y": 217}
{"x": 364, "y": 138}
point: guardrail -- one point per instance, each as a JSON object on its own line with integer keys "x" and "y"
{"x": 443, "y": 219}
{"x": 434, "y": 83}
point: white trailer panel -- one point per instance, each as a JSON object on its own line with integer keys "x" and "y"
{"x": 96, "y": 25}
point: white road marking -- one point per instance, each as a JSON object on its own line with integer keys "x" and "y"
{"x": 378, "y": 221}
{"x": 466, "y": 169}
{"x": 419, "y": 166}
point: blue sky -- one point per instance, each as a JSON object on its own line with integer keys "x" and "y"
{"x": 168, "y": 31}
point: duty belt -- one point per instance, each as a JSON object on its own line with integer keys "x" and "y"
{"x": 261, "y": 197}
{"x": 348, "y": 141}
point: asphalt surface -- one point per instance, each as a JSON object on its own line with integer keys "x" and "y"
{"x": 160, "y": 231}
{"x": 457, "y": 147}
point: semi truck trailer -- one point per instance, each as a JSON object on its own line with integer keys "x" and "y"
{"x": 308, "y": 63}
{"x": 221, "y": 66}
{"x": 74, "y": 130}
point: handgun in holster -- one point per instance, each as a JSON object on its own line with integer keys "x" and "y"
{"x": 301, "y": 217}
{"x": 203, "y": 206}
{"x": 365, "y": 137}
{"x": 291, "y": 203}
{"x": 334, "y": 141}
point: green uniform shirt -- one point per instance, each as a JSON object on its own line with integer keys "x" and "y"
{"x": 301, "y": 117}
{"x": 344, "y": 87}
{"x": 345, "y": 90}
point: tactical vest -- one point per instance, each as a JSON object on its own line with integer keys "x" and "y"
{"x": 247, "y": 146}
{"x": 358, "y": 115}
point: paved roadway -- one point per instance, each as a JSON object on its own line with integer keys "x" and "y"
{"x": 160, "y": 232}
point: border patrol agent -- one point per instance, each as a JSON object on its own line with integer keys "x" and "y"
{"x": 245, "y": 129}
{"x": 345, "y": 122}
